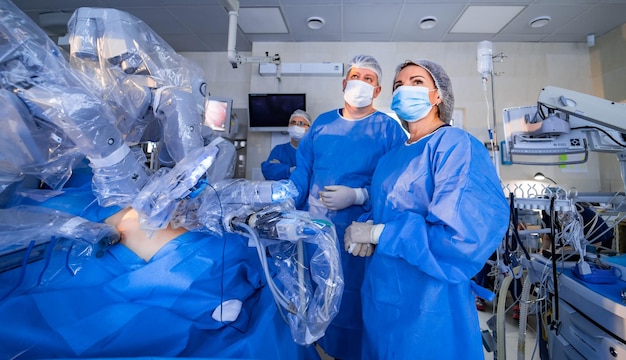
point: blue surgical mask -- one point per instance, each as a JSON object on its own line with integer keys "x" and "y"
{"x": 296, "y": 132}
{"x": 358, "y": 93}
{"x": 411, "y": 103}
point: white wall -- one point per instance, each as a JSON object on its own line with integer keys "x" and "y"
{"x": 526, "y": 68}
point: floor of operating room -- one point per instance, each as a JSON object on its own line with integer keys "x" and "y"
{"x": 511, "y": 337}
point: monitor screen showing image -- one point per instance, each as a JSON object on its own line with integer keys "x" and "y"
{"x": 217, "y": 111}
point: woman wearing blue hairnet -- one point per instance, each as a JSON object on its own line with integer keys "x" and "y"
{"x": 335, "y": 163}
{"x": 438, "y": 212}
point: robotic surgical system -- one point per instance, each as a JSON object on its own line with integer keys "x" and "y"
{"x": 123, "y": 85}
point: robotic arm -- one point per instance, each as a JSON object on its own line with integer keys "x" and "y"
{"x": 46, "y": 98}
{"x": 144, "y": 80}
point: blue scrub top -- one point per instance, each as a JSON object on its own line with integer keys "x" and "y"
{"x": 286, "y": 155}
{"x": 340, "y": 151}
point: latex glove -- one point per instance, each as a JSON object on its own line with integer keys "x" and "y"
{"x": 338, "y": 197}
{"x": 359, "y": 237}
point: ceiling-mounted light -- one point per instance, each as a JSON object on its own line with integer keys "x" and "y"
{"x": 315, "y": 22}
{"x": 539, "y": 22}
{"x": 428, "y": 22}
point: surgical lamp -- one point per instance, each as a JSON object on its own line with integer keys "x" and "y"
{"x": 540, "y": 177}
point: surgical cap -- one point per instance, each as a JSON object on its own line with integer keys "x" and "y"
{"x": 442, "y": 82}
{"x": 366, "y": 62}
{"x": 302, "y": 114}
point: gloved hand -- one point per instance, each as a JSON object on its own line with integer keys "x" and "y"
{"x": 359, "y": 237}
{"x": 338, "y": 197}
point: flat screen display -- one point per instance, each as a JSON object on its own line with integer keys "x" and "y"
{"x": 217, "y": 112}
{"x": 271, "y": 112}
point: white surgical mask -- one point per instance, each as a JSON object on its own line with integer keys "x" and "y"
{"x": 358, "y": 93}
{"x": 411, "y": 103}
{"x": 296, "y": 132}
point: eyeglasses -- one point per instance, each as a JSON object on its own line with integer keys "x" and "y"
{"x": 299, "y": 123}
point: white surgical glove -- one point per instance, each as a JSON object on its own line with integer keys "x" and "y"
{"x": 337, "y": 197}
{"x": 360, "y": 238}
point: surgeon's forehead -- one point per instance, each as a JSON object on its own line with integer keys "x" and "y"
{"x": 362, "y": 72}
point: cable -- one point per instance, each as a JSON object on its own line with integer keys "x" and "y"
{"x": 281, "y": 300}
{"x": 524, "y": 302}
{"x": 501, "y": 314}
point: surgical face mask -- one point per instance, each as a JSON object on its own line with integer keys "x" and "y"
{"x": 358, "y": 93}
{"x": 296, "y": 132}
{"x": 411, "y": 103}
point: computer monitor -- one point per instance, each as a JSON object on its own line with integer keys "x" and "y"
{"x": 217, "y": 112}
{"x": 271, "y": 112}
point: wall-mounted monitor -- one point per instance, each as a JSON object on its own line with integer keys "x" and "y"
{"x": 217, "y": 115}
{"x": 271, "y": 112}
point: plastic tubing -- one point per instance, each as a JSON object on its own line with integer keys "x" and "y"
{"x": 500, "y": 315}
{"x": 521, "y": 336}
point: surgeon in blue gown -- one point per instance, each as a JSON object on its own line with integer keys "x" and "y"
{"x": 172, "y": 293}
{"x": 282, "y": 159}
{"x": 439, "y": 211}
{"x": 335, "y": 162}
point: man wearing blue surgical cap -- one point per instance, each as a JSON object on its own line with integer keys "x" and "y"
{"x": 438, "y": 212}
{"x": 282, "y": 159}
{"x": 335, "y": 162}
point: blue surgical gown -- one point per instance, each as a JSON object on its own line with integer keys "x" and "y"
{"x": 120, "y": 306}
{"x": 286, "y": 155}
{"x": 339, "y": 151}
{"x": 72, "y": 304}
{"x": 445, "y": 213}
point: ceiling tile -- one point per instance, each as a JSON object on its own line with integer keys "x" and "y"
{"x": 407, "y": 27}
{"x": 202, "y": 25}
{"x": 377, "y": 20}
{"x": 473, "y": 19}
{"x": 261, "y": 20}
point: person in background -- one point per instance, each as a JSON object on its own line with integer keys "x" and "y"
{"x": 438, "y": 212}
{"x": 335, "y": 163}
{"x": 282, "y": 159}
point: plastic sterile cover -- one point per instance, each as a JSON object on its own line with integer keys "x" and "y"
{"x": 305, "y": 274}
{"x": 56, "y": 103}
{"x": 165, "y": 193}
{"x": 29, "y": 233}
{"x": 140, "y": 76}
{"x": 311, "y": 279}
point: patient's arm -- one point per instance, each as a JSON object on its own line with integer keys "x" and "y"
{"x": 138, "y": 240}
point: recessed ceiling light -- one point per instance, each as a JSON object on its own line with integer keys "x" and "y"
{"x": 539, "y": 22}
{"x": 428, "y": 22}
{"x": 315, "y": 22}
